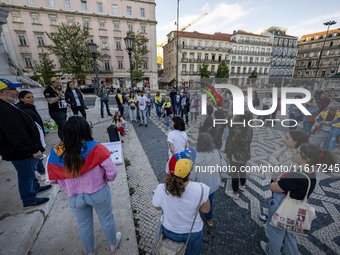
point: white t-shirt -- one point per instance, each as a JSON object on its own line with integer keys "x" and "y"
{"x": 178, "y": 140}
{"x": 142, "y": 102}
{"x": 178, "y": 212}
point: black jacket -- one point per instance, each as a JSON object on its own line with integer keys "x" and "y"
{"x": 69, "y": 97}
{"x": 32, "y": 111}
{"x": 19, "y": 135}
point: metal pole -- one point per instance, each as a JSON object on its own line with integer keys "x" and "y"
{"x": 130, "y": 60}
{"x": 97, "y": 73}
{"x": 328, "y": 24}
{"x": 177, "y": 45}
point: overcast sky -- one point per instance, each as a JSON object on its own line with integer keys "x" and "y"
{"x": 298, "y": 16}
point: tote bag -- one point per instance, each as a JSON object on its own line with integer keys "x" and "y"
{"x": 293, "y": 215}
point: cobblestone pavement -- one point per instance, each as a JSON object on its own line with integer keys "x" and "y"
{"x": 237, "y": 228}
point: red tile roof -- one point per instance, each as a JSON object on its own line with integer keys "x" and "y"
{"x": 320, "y": 34}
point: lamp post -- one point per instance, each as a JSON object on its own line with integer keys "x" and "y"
{"x": 92, "y": 48}
{"x": 129, "y": 45}
{"x": 328, "y": 24}
{"x": 177, "y": 44}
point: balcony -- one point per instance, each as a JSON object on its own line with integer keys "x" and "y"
{"x": 185, "y": 60}
{"x": 184, "y": 72}
{"x": 191, "y": 60}
{"x": 199, "y": 60}
{"x": 254, "y": 42}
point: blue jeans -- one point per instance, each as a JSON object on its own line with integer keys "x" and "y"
{"x": 194, "y": 245}
{"x": 210, "y": 214}
{"x": 60, "y": 119}
{"x": 334, "y": 133}
{"x": 27, "y": 183}
{"x": 82, "y": 208}
{"x": 106, "y": 102}
{"x": 279, "y": 237}
{"x": 143, "y": 118}
{"x": 159, "y": 110}
{"x": 167, "y": 118}
{"x": 40, "y": 167}
{"x": 307, "y": 127}
{"x": 177, "y": 110}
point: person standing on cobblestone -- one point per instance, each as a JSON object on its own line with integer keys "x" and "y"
{"x": 143, "y": 104}
{"x": 20, "y": 143}
{"x": 296, "y": 183}
{"x": 237, "y": 148}
{"x": 82, "y": 167}
{"x": 158, "y": 104}
{"x": 103, "y": 93}
{"x": 178, "y": 197}
{"x": 57, "y": 106}
{"x": 207, "y": 156}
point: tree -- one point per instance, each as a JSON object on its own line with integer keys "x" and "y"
{"x": 70, "y": 44}
{"x": 139, "y": 49}
{"x": 44, "y": 68}
{"x": 253, "y": 76}
{"x": 204, "y": 71}
{"x": 222, "y": 70}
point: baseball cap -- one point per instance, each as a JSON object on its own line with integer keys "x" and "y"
{"x": 4, "y": 84}
{"x": 180, "y": 163}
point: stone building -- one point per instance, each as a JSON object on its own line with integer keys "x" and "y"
{"x": 309, "y": 64}
{"x": 109, "y": 21}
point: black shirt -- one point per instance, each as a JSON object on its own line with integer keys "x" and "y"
{"x": 297, "y": 184}
{"x": 60, "y": 105}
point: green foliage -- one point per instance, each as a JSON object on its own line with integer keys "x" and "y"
{"x": 139, "y": 49}
{"x": 70, "y": 44}
{"x": 204, "y": 71}
{"x": 44, "y": 68}
{"x": 222, "y": 70}
{"x": 253, "y": 75}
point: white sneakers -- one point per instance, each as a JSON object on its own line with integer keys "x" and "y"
{"x": 242, "y": 188}
{"x": 263, "y": 246}
{"x": 115, "y": 246}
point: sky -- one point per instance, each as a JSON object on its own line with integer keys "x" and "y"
{"x": 298, "y": 16}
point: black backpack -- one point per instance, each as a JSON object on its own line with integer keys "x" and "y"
{"x": 113, "y": 133}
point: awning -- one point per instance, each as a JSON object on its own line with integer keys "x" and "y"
{"x": 167, "y": 79}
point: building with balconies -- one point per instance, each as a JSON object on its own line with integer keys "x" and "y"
{"x": 249, "y": 52}
{"x": 319, "y": 55}
{"x": 109, "y": 22}
{"x": 284, "y": 52}
{"x": 195, "y": 49}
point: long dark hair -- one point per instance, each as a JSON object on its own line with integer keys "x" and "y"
{"x": 315, "y": 155}
{"x": 178, "y": 123}
{"x": 76, "y": 131}
{"x": 205, "y": 142}
{"x": 299, "y": 137}
{"x": 175, "y": 185}
{"x": 68, "y": 85}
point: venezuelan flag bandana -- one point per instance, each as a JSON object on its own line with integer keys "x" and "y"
{"x": 93, "y": 153}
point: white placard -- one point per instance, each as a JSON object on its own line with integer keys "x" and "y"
{"x": 115, "y": 149}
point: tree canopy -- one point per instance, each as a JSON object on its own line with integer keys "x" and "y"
{"x": 222, "y": 70}
{"x": 204, "y": 71}
{"x": 44, "y": 68}
{"x": 70, "y": 45}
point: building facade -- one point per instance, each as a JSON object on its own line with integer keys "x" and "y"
{"x": 284, "y": 52}
{"x": 319, "y": 55}
{"x": 108, "y": 20}
{"x": 195, "y": 49}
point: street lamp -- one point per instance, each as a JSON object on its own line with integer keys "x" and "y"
{"x": 177, "y": 44}
{"x": 328, "y": 24}
{"x": 129, "y": 46}
{"x": 92, "y": 48}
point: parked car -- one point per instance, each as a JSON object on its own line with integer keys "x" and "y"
{"x": 87, "y": 88}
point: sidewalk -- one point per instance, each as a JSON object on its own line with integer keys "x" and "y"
{"x": 41, "y": 229}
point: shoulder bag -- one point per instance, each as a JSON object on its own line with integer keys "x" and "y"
{"x": 293, "y": 215}
{"x": 169, "y": 247}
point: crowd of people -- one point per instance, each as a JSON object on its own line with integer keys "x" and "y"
{"x": 83, "y": 167}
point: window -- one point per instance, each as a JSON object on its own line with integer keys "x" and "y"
{"x": 143, "y": 29}
{"x": 145, "y": 63}
{"x": 53, "y": 19}
{"x": 40, "y": 40}
{"x": 28, "y": 61}
{"x": 83, "y": 5}
{"x": 116, "y": 26}
{"x": 67, "y": 4}
{"x": 184, "y": 68}
{"x": 22, "y": 40}
{"x": 191, "y": 69}
{"x": 104, "y": 44}
{"x": 100, "y": 7}
{"x": 86, "y": 23}
{"x": 50, "y": 3}
{"x": 13, "y": 1}
{"x": 213, "y": 68}
{"x": 130, "y": 27}
{"x": 118, "y": 44}
{"x": 142, "y": 12}
{"x": 35, "y": 18}
{"x": 114, "y": 9}
{"x": 206, "y": 56}
{"x": 120, "y": 63}
{"x": 107, "y": 65}
{"x": 16, "y": 16}
{"x": 198, "y": 68}
{"x": 129, "y": 10}
{"x": 32, "y": 2}
{"x": 102, "y": 24}
{"x": 69, "y": 21}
